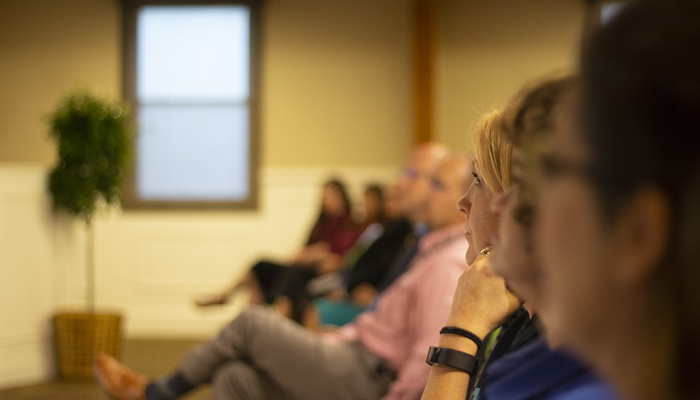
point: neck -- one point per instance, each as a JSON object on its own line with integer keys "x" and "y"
{"x": 417, "y": 217}
{"x": 637, "y": 354}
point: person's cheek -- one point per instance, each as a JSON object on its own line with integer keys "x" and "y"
{"x": 557, "y": 249}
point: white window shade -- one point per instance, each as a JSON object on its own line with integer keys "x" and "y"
{"x": 193, "y": 153}
{"x": 609, "y": 10}
{"x": 193, "y": 53}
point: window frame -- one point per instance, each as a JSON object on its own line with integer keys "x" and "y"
{"x": 131, "y": 200}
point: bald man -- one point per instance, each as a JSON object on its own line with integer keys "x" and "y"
{"x": 414, "y": 186}
{"x": 390, "y": 255}
{"x": 262, "y": 355}
{"x": 450, "y": 181}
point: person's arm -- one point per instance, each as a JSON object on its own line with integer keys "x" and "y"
{"x": 371, "y": 267}
{"x": 481, "y": 303}
{"x": 430, "y": 306}
{"x": 446, "y": 383}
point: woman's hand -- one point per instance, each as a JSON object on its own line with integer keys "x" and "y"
{"x": 482, "y": 301}
{"x": 311, "y": 254}
{"x": 363, "y": 294}
{"x": 328, "y": 264}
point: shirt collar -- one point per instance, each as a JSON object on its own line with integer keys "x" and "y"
{"x": 420, "y": 229}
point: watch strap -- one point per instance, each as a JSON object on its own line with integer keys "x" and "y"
{"x": 453, "y": 359}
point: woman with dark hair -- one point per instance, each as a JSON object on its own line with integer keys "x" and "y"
{"x": 618, "y": 224}
{"x": 334, "y": 229}
{"x": 284, "y": 286}
{"x": 375, "y": 207}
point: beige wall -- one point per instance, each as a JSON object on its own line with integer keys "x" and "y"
{"x": 488, "y": 49}
{"x": 336, "y": 76}
{"x": 337, "y": 86}
{"x": 48, "y": 47}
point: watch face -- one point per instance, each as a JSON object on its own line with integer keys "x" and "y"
{"x": 433, "y": 354}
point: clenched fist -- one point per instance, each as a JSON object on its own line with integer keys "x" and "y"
{"x": 482, "y": 301}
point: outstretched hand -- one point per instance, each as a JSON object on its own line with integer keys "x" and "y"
{"x": 482, "y": 300}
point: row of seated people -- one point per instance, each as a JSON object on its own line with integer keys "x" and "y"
{"x": 581, "y": 220}
{"x": 343, "y": 264}
{"x": 383, "y": 347}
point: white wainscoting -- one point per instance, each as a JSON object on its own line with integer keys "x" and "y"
{"x": 28, "y": 293}
{"x": 149, "y": 265}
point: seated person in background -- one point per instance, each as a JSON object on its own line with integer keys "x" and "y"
{"x": 372, "y": 227}
{"x": 298, "y": 286}
{"x": 500, "y": 217}
{"x": 390, "y": 254}
{"x": 392, "y": 202}
{"x": 331, "y": 237}
{"x": 364, "y": 274}
{"x": 375, "y": 205}
{"x": 262, "y": 355}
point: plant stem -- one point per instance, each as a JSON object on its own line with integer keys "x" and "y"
{"x": 90, "y": 266}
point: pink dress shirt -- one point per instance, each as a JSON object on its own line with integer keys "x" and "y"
{"x": 411, "y": 312}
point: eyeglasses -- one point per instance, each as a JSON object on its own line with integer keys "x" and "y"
{"x": 412, "y": 173}
{"x": 437, "y": 184}
{"x": 554, "y": 167}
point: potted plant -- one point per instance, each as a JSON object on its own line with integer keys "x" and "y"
{"x": 92, "y": 136}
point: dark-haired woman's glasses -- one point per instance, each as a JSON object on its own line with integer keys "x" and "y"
{"x": 554, "y": 167}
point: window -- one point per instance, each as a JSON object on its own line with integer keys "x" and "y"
{"x": 600, "y": 12}
{"x": 190, "y": 74}
{"x": 609, "y": 10}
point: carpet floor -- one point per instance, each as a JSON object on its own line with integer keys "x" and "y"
{"x": 153, "y": 358}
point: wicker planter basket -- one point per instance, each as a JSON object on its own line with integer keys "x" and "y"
{"x": 80, "y": 337}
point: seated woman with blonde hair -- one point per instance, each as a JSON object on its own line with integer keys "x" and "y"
{"x": 500, "y": 213}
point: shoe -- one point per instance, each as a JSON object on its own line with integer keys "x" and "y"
{"x": 118, "y": 381}
{"x": 212, "y": 300}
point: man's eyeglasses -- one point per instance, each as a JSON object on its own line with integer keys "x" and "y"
{"x": 412, "y": 173}
{"x": 436, "y": 184}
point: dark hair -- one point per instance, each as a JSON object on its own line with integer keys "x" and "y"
{"x": 377, "y": 191}
{"x": 338, "y": 185}
{"x": 324, "y": 219}
{"x": 641, "y": 119}
{"x": 530, "y": 116}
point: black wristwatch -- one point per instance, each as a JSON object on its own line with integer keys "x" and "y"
{"x": 454, "y": 359}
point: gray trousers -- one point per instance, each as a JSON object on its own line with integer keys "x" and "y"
{"x": 261, "y": 355}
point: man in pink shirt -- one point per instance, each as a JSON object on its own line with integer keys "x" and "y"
{"x": 262, "y": 355}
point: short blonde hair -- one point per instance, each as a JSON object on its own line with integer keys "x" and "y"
{"x": 492, "y": 152}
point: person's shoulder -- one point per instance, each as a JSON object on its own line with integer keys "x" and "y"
{"x": 455, "y": 252}
{"x": 594, "y": 390}
{"x": 452, "y": 254}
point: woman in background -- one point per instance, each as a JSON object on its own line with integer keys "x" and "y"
{"x": 375, "y": 205}
{"x": 332, "y": 235}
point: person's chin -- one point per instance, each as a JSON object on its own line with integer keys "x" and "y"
{"x": 470, "y": 257}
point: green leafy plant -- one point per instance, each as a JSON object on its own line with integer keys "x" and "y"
{"x": 94, "y": 145}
